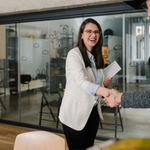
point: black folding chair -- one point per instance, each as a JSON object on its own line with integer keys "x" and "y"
{"x": 49, "y": 104}
{"x": 1, "y": 102}
{"x": 115, "y": 111}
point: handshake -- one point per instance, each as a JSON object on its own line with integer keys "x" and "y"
{"x": 112, "y": 97}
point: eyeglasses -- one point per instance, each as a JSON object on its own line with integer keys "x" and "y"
{"x": 90, "y": 32}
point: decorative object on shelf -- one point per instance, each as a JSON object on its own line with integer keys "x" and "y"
{"x": 31, "y": 36}
{"x": 24, "y": 58}
{"x": 41, "y": 73}
{"x": 45, "y": 52}
{"x": 108, "y": 32}
{"x": 53, "y": 44}
{"x": 65, "y": 40}
{"x": 105, "y": 53}
{"x": 11, "y": 32}
{"x": 36, "y": 45}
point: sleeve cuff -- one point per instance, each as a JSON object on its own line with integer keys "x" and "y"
{"x": 92, "y": 88}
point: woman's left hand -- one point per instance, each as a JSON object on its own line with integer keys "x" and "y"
{"x": 107, "y": 81}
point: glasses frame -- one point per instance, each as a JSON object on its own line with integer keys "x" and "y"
{"x": 90, "y": 32}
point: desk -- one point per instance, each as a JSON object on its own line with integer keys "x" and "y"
{"x": 33, "y": 84}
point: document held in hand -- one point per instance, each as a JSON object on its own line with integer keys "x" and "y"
{"x": 111, "y": 70}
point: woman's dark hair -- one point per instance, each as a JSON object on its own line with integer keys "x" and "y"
{"x": 97, "y": 49}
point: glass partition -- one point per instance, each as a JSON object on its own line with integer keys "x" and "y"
{"x": 10, "y": 108}
{"x": 137, "y": 71}
{"x": 36, "y": 54}
{"x": 33, "y": 64}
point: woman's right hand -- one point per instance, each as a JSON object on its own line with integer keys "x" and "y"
{"x": 102, "y": 91}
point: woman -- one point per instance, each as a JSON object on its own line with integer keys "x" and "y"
{"x": 84, "y": 82}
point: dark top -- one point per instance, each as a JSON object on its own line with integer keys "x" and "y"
{"x": 136, "y": 100}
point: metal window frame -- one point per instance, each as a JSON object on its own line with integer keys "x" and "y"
{"x": 84, "y": 11}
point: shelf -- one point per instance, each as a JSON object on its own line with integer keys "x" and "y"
{"x": 12, "y": 80}
{"x": 3, "y": 79}
{"x": 11, "y": 47}
{"x": 2, "y": 93}
{"x": 12, "y": 55}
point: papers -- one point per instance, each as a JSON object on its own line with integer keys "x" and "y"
{"x": 111, "y": 70}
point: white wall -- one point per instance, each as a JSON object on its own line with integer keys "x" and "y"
{"x": 33, "y": 61}
{"x": 18, "y": 6}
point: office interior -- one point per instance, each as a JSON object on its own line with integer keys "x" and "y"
{"x": 33, "y": 64}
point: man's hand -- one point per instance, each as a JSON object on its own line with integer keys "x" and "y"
{"x": 114, "y": 99}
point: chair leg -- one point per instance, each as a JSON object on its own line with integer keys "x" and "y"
{"x": 49, "y": 108}
{"x": 49, "y": 105}
{"x": 57, "y": 123}
{"x": 41, "y": 112}
{"x": 51, "y": 112}
{"x": 120, "y": 120}
{"x": 2, "y": 104}
{"x": 100, "y": 122}
{"x": 115, "y": 115}
{"x": 60, "y": 99}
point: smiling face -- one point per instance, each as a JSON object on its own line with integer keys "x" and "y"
{"x": 90, "y": 36}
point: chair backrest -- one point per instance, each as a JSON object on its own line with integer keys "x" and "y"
{"x": 25, "y": 78}
{"x": 39, "y": 140}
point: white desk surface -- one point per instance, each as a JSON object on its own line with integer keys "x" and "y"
{"x": 33, "y": 84}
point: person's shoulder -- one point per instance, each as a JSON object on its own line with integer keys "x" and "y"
{"x": 75, "y": 50}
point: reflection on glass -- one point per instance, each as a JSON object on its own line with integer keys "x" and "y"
{"x": 61, "y": 43}
{"x": 12, "y": 57}
{"x": 63, "y": 35}
{"x": 38, "y": 50}
{"x": 139, "y": 53}
{"x": 112, "y": 37}
{"x": 137, "y": 72}
{"x": 42, "y": 50}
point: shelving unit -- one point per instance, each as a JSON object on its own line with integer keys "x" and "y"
{"x": 12, "y": 57}
{"x": 3, "y": 80}
{"x": 65, "y": 40}
{"x": 3, "y": 76}
{"x": 13, "y": 76}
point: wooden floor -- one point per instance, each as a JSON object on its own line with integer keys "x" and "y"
{"x": 8, "y": 134}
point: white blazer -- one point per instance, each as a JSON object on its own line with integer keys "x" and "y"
{"x": 77, "y": 103}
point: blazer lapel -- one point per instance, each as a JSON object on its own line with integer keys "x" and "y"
{"x": 90, "y": 74}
